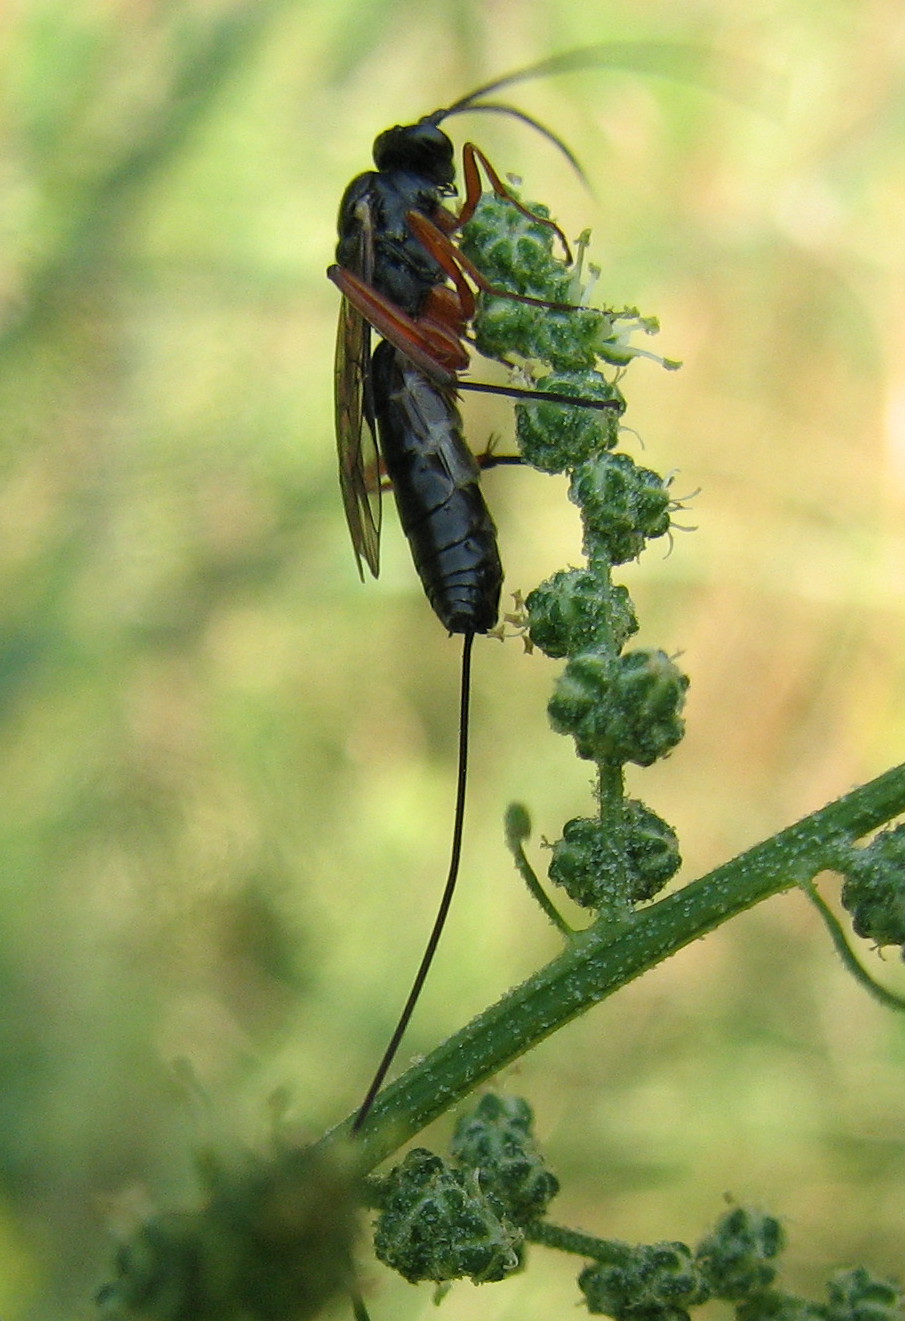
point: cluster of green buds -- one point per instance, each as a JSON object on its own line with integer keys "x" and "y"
{"x": 852, "y": 1295}
{"x": 444, "y": 1219}
{"x": 874, "y": 888}
{"x": 657, "y": 1281}
{"x": 497, "y": 1142}
{"x": 736, "y": 1263}
{"x": 620, "y": 706}
{"x": 473, "y": 1214}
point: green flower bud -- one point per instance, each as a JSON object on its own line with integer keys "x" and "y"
{"x": 571, "y": 340}
{"x": 856, "y": 1295}
{"x": 437, "y": 1224}
{"x": 874, "y": 889}
{"x": 622, "y": 506}
{"x": 516, "y": 826}
{"x": 568, "y": 613}
{"x": 515, "y": 252}
{"x": 615, "y": 864}
{"x": 651, "y": 850}
{"x": 506, "y": 327}
{"x": 496, "y": 1141}
{"x": 565, "y": 337}
{"x": 620, "y": 709}
{"x": 557, "y": 437}
{"x": 737, "y": 1257}
{"x": 587, "y": 862}
{"x": 659, "y": 1282}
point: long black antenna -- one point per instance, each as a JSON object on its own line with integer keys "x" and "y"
{"x": 684, "y": 62}
{"x": 670, "y": 59}
{"x": 498, "y": 108}
{"x": 601, "y": 54}
{"x": 445, "y": 900}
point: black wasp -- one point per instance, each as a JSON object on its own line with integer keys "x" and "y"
{"x": 401, "y": 274}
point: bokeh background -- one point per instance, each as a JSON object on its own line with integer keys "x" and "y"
{"x": 227, "y": 766}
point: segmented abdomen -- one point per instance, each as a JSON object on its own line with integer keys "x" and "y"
{"x": 436, "y": 482}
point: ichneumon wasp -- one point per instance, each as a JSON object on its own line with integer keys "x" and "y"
{"x": 401, "y": 273}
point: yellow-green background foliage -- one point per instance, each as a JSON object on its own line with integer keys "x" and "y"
{"x": 227, "y": 766}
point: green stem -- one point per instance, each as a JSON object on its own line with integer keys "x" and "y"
{"x": 599, "y": 961}
{"x": 610, "y": 788}
{"x": 887, "y": 998}
{"x": 537, "y": 891}
{"x": 548, "y": 1235}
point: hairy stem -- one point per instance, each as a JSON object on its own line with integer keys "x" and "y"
{"x": 575, "y": 1241}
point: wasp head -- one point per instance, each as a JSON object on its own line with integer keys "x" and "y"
{"x": 421, "y": 148}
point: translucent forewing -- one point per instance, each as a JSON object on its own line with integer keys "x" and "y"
{"x": 359, "y": 469}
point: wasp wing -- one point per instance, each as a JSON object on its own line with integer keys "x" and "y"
{"x": 359, "y": 468}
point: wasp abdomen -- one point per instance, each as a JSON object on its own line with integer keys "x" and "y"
{"x": 436, "y": 482}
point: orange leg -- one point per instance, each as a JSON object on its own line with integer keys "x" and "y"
{"x": 432, "y": 344}
{"x": 470, "y": 157}
{"x": 456, "y": 265}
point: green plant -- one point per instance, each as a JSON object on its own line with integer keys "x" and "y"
{"x": 473, "y": 1213}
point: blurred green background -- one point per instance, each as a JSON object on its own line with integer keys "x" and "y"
{"x": 227, "y": 770}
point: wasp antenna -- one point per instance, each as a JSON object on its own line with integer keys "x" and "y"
{"x": 684, "y": 62}
{"x": 540, "y": 128}
{"x": 568, "y": 61}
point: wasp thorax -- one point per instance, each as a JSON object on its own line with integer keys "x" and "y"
{"x": 421, "y": 148}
